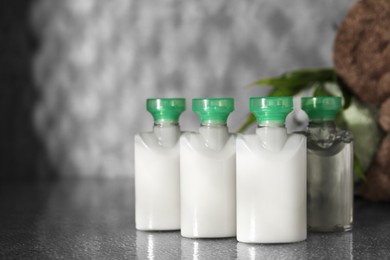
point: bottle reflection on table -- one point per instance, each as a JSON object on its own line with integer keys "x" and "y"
{"x": 157, "y": 245}
{"x": 272, "y": 251}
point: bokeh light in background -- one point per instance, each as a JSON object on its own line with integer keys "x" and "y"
{"x": 99, "y": 60}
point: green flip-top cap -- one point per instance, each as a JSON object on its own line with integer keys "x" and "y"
{"x": 213, "y": 110}
{"x": 270, "y": 109}
{"x": 166, "y": 109}
{"x": 321, "y": 108}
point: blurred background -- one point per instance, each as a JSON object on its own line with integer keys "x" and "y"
{"x": 75, "y": 74}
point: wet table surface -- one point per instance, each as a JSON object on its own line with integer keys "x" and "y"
{"x": 93, "y": 219}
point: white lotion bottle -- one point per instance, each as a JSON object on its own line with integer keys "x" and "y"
{"x": 271, "y": 177}
{"x": 208, "y": 173}
{"x": 157, "y": 169}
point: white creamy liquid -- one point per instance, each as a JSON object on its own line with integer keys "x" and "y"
{"x": 157, "y": 179}
{"x": 271, "y": 187}
{"x": 208, "y": 183}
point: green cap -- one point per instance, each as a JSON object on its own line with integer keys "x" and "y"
{"x": 213, "y": 110}
{"x": 166, "y": 109}
{"x": 270, "y": 109}
{"x": 321, "y": 107}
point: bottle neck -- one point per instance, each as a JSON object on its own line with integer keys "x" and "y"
{"x": 166, "y": 132}
{"x": 322, "y": 123}
{"x": 215, "y": 135}
{"x": 272, "y": 136}
{"x": 322, "y": 131}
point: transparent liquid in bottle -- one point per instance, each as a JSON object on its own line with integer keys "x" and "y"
{"x": 330, "y": 179}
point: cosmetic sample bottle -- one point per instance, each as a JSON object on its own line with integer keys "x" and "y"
{"x": 271, "y": 177}
{"x": 157, "y": 170}
{"x": 208, "y": 173}
{"x": 329, "y": 167}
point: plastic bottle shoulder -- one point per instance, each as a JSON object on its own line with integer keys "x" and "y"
{"x": 327, "y": 138}
{"x": 252, "y": 144}
{"x": 195, "y": 142}
{"x": 150, "y": 140}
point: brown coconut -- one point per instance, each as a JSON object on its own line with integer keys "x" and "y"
{"x": 362, "y": 50}
{"x": 376, "y": 187}
{"x": 384, "y": 115}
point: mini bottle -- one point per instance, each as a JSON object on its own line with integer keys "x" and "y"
{"x": 208, "y": 173}
{"x": 157, "y": 170}
{"x": 329, "y": 167}
{"x": 271, "y": 177}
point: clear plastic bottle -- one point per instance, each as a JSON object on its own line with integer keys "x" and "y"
{"x": 271, "y": 177}
{"x": 157, "y": 170}
{"x": 329, "y": 166}
{"x": 208, "y": 173}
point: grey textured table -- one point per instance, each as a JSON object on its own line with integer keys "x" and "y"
{"x": 95, "y": 220}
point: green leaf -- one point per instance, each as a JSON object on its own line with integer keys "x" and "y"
{"x": 249, "y": 121}
{"x": 278, "y": 82}
{"x": 313, "y": 75}
{"x": 358, "y": 168}
{"x": 298, "y": 80}
{"x": 347, "y": 95}
{"x": 361, "y": 121}
{"x": 277, "y": 92}
{"x": 319, "y": 90}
